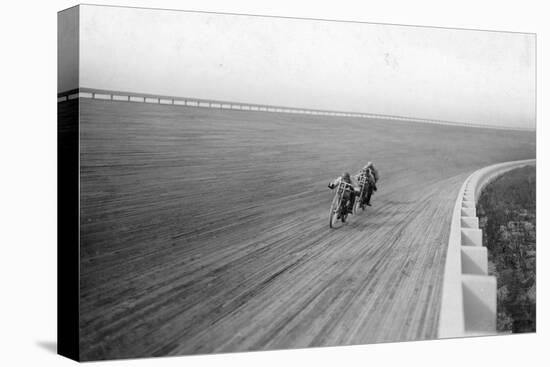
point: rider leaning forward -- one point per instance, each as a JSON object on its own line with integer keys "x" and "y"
{"x": 349, "y": 195}
{"x": 372, "y": 177}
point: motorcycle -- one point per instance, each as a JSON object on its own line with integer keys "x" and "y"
{"x": 338, "y": 208}
{"x": 360, "y": 200}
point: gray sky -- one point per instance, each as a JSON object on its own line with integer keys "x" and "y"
{"x": 457, "y": 75}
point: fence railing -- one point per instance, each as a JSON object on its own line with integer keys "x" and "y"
{"x": 227, "y": 105}
{"x": 469, "y": 298}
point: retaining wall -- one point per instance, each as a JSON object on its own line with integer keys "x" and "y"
{"x": 216, "y": 104}
{"x": 469, "y": 295}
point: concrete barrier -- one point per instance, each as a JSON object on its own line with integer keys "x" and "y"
{"x": 102, "y": 96}
{"x": 480, "y": 304}
{"x": 468, "y": 212}
{"x": 469, "y": 222}
{"x": 121, "y": 96}
{"x": 137, "y": 99}
{"x": 468, "y": 302}
{"x": 474, "y": 260}
{"x": 471, "y": 237}
{"x": 117, "y": 97}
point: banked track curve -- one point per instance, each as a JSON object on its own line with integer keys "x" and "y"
{"x": 205, "y": 230}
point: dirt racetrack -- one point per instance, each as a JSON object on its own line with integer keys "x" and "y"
{"x": 207, "y": 230}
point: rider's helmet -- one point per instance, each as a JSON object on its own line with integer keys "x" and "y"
{"x": 346, "y": 177}
{"x": 367, "y": 167}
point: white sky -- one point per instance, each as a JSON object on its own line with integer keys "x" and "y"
{"x": 448, "y": 74}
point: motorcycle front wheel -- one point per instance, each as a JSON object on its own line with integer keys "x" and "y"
{"x": 334, "y": 210}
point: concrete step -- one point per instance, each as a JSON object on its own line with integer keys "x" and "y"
{"x": 480, "y": 304}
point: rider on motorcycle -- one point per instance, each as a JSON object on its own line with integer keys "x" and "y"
{"x": 372, "y": 178}
{"x": 349, "y": 195}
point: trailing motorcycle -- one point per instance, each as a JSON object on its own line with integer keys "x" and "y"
{"x": 360, "y": 200}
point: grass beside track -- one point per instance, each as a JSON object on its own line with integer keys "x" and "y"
{"x": 507, "y": 210}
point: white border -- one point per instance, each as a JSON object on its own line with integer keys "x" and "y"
{"x": 28, "y": 151}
